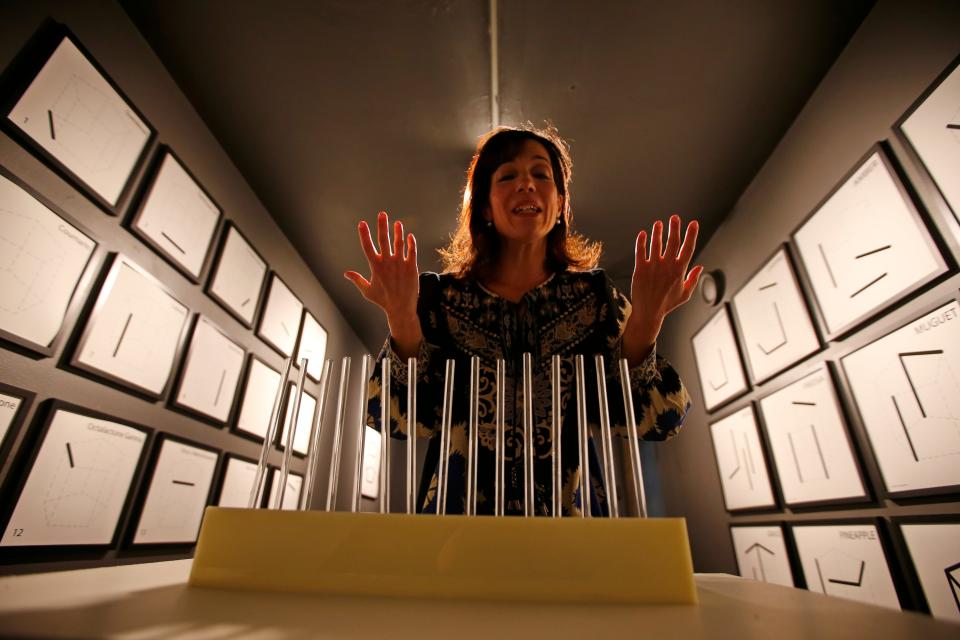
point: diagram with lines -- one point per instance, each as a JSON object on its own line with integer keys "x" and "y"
{"x": 211, "y": 373}
{"x": 935, "y": 552}
{"x": 740, "y": 459}
{"x": 718, "y": 360}
{"x": 761, "y": 554}
{"x": 78, "y": 484}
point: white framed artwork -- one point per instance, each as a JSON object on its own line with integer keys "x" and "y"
{"x": 741, "y": 462}
{"x": 291, "y": 493}
{"x": 280, "y": 321}
{"x": 762, "y": 553}
{"x": 239, "y": 277}
{"x": 934, "y": 549}
{"x": 177, "y": 494}
{"x": 719, "y": 367}
{"x": 846, "y": 560}
{"x": 134, "y": 332}
{"x": 773, "y": 319}
{"x": 79, "y": 482}
{"x": 259, "y": 396}
{"x": 178, "y": 217}
{"x": 238, "y": 479}
{"x": 809, "y": 442}
{"x": 305, "y": 413}
{"x": 75, "y": 117}
{"x": 312, "y": 346}
{"x": 865, "y": 246}
{"x": 44, "y": 258}
{"x": 907, "y": 390}
{"x": 211, "y": 371}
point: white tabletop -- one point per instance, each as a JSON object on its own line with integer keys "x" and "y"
{"x": 147, "y": 601}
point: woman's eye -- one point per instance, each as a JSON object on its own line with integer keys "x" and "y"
{"x": 505, "y": 177}
{"x": 542, "y": 176}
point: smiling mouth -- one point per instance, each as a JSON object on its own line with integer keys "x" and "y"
{"x": 527, "y": 210}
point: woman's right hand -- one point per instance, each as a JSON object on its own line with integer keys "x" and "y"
{"x": 394, "y": 283}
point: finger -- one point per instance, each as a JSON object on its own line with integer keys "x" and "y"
{"x": 358, "y": 280}
{"x": 366, "y": 243}
{"x": 641, "y": 249}
{"x": 411, "y": 249}
{"x": 689, "y": 243}
{"x": 690, "y": 284}
{"x": 398, "y": 239}
{"x": 673, "y": 237}
{"x": 383, "y": 233}
{"x": 656, "y": 240}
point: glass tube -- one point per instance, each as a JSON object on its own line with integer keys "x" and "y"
{"x": 583, "y": 437}
{"x": 291, "y": 432}
{"x": 256, "y": 491}
{"x": 366, "y": 364}
{"x": 638, "y": 488}
{"x": 556, "y": 466}
{"x": 473, "y": 436}
{"x": 314, "y": 456}
{"x": 606, "y": 438}
{"x": 446, "y": 419}
{"x": 499, "y": 484}
{"x": 338, "y": 435}
{"x": 385, "y": 435}
{"x": 411, "y": 435}
{"x": 528, "y": 488}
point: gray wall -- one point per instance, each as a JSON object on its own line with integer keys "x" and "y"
{"x": 104, "y": 29}
{"x": 898, "y": 51}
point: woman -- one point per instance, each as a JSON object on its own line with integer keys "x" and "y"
{"x": 518, "y": 279}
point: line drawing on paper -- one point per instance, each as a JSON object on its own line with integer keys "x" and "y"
{"x": 836, "y": 567}
{"x": 82, "y": 485}
{"x": 935, "y": 392}
{"x": 758, "y": 557}
{"x": 723, "y": 366}
{"x": 783, "y": 334}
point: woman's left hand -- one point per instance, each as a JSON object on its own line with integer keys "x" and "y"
{"x": 660, "y": 283}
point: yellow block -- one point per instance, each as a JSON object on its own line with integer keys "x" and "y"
{"x": 519, "y": 559}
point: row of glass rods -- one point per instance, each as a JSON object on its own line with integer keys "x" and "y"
{"x": 583, "y": 437}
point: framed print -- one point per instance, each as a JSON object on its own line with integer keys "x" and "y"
{"x": 907, "y": 389}
{"x": 291, "y": 494}
{"x": 72, "y": 114}
{"x": 932, "y": 128}
{"x": 846, "y": 560}
{"x": 79, "y": 481}
{"x": 281, "y": 317}
{"x": 865, "y": 246}
{"x": 762, "y": 553}
{"x": 719, "y": 367}
{"x": 134, "y": 332}
{"x": 238, "y": 477}
{"x": 301, "y": 434}
{"x": 259, "y": 395}
{"x": 177, "y": 494}
{"x": 933, "y": 547}
{"x": 44, "y": 258}
{"x": 14, "y": 403}
{"x": 810, "y": 444}
{"x": 772, "y": 316}
{"x": 239, "y": 277}
{"x": 741, "y": 463}
{"x": 312, "y": 346}
{"x": 211, "y": 370}
{"x": 177, "y": 217}
{"x": 370, "y": 482}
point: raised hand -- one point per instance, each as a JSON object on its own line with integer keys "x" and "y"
{"x": 660, "y": 282}
{"x": 394, "y": 280}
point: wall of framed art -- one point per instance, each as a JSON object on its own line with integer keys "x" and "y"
{"x": 859, "y": 426}
{"x": 138, "y": 359}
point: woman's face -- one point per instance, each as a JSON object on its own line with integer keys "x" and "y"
{"x": 524, "y": 202}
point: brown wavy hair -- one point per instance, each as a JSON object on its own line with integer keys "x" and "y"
{"x": 475, "y": 247}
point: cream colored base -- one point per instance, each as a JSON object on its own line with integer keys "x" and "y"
{"x": 518, "y": 559}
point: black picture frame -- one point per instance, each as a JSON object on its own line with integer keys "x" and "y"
{"x": 115, "y": 263}
{"x": 776, "y": 498}
{"x": 230, "y": 227}
{"x": 907, "y": 564}
{"x": 796, "y": 576}
{"x": 314, "y": 367}
{"x": 222, "y": 478}
{"x": 20, "y": 473}
{"x": 263, "y": 332}
{"x": 26, "y": 399}
{"x": 80, "y": 288}
{"x": 134, "y": 223}
{"x": 273, "y": 476}
{"x": 286, "y": 404}
{"x": 21, "y": 76}
{"x": 242, "y": 394}
{"x": 740, "y": 367}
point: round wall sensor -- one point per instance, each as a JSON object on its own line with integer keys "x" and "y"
{"x": 711, "y": 287}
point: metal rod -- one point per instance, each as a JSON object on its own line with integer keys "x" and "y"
{"x": 385, "y": 435}
{"x": 636, "y": 467}
{"x": 500, "y": 454}
{"x": 411, "y": 435}
{"x": 445, "y": 438}
{"x": 472, "y": 436}
{"x": 338, "y": 435}
{"x": 556, "y": 466}
{"x": 366, "y": 364}
{"x": 528, "y": 488}
{"x": 256, "y": 491}
{"x": 584, "y": 437}
{"x": 313, "y": 457}
{"x": 291, "y": 432}
{"x": 606, "y": 438}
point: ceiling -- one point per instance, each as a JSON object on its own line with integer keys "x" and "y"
{"x": 336, "y": 109}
